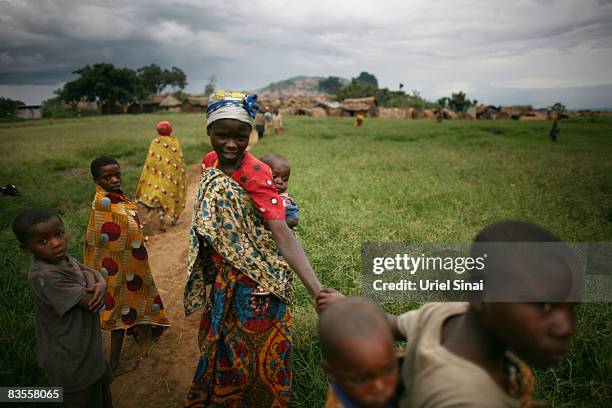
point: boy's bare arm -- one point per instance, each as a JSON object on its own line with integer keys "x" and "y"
{"x": 90, "y": 281}
{"x": 97, "y": 288}
{"x": 88, "y": 302}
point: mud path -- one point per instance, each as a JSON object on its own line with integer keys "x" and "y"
{"x": 163, "y": 378}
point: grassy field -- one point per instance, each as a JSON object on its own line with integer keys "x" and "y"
{"x": 392, "y": 180}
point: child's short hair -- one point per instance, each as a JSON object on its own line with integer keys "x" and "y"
{"x": 272, "y": 158}
{"x": 100, "y": 162}
{"x": 523, "y": 252}
{"x": 26, "y": 219}
{"x": 348, "y": 318}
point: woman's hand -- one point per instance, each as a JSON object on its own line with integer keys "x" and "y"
{"x": 325, "y": 297}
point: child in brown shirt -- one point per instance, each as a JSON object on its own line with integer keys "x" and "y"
{"x": 67, "y": 297}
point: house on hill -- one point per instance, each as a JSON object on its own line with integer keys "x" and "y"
{"x": 330, "y": 108}
{"x": 352, "y": 106}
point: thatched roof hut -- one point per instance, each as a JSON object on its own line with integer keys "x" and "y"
{"x": 195, "y": 104}
{"x": 170, "y": 103}
{"x": 331, "y": 108}
{"x": 352, "y": 106}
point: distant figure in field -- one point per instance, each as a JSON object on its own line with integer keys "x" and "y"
{"x": 260, "y": 124}
{"x": 439, "y": 115}
{"x": 267, "y": 120}
{"x": 162, "y": 182}
{"x": 277, "y": 122}
{"x": 359, "y": 119}
{"x": 554, "y": 131}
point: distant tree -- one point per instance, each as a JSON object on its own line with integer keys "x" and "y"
{"x": 443, "y": 102}
{"x": 401, "y": 86}
{"x": 176, "y": 78}
{"x": 104, "y": 84}
{"x": 152, "y": 78}
{"x": 330, "y": 85}
{"x": 368, "y": 79}
{"x": 72, "y": 93}
{"x": 210, "y": 87}
{"x": 8, "y": 107}
{"x": 356, "y": 89}
{"x": 459, "y": 103}
{"x": 558, "y": 107}
{"x": 362, "y": 86}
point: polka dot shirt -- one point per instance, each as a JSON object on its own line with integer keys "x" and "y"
{"x": 256, "y": 179}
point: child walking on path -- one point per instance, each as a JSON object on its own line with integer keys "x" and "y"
{"x": 163, "y": 182}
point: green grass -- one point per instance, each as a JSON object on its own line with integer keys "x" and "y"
{"x": 392, "y": 180}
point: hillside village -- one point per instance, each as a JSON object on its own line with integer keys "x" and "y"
{"x": 302, "y": 96}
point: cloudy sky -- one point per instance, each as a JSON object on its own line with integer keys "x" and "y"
{"x": 494, "y": 50}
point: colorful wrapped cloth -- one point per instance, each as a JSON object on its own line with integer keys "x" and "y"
{"x": 244, "y": 339}
{"x": 162, "y": 182}
{"x": 115, "y": 247}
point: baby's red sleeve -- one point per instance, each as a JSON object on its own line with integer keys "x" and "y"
{"x": 209, "y": 160}
{"x": 256, "y": 178}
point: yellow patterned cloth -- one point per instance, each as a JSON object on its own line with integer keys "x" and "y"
{"x": 162, "y": 181}
{"x": 115, "y": 247}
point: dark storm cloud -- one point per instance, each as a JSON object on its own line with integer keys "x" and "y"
{"x": 247, "y": 44}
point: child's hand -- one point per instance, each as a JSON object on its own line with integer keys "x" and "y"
{"x": 325, "y": 297}
{"x": 98, "y": 295}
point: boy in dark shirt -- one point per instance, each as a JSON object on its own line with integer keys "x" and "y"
{"x": 67, "y": 297}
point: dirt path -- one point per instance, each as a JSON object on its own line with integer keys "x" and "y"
{"x": 163, "y": 378}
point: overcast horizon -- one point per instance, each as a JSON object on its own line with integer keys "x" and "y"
{"x": 498, "y": 52}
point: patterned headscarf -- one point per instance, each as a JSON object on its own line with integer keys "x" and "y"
{"x": 231, "y": 105}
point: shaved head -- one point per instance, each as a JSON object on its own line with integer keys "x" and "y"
{"x": 351, "y": 320}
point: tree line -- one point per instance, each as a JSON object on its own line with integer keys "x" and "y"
{"x": 366, "y": 84}
{"x": 106, "y": 84}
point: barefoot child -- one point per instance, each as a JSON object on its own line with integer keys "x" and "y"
{"x": 358, "y": 355}
{"x": 281, "y": 171}
{"x": 162, "y": 183}
{"x": 115, "y": 246}
{"x": 67, "y": 296}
